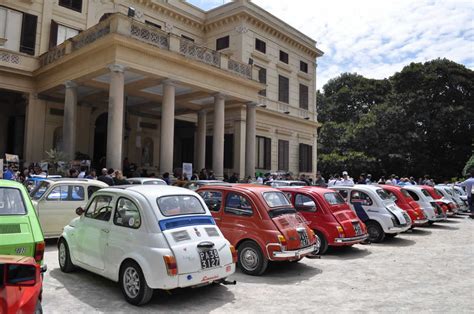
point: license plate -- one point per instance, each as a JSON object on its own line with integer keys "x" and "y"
{"x": 303, "y": 238}
{"x": 357, "y": 228}
{"x": 209, "y": 259}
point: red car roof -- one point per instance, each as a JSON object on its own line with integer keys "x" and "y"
{"x": 316, "y": 189}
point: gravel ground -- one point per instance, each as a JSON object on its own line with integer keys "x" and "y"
{"x": 429, "y": 269}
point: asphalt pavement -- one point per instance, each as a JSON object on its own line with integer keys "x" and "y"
{"x": 429, "y": 269}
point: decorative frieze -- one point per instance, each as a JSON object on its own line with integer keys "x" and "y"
{"x": 9, "y": 57}
{"x": 206, "y": 55}
{"x": 240, "y": 68}
{"x": 150, "y": 35}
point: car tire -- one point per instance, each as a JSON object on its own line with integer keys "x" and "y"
{"x": 323, "y": 247}
{"x": 38, "y": 308}
{"x": 375, "y": 231}
{"x": 251, "y": 259}
{"x": 131, "y": 276}
{"x": 431, "y": 223}
{"x": 64, "y": 257}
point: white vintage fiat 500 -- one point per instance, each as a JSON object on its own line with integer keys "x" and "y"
{"x": 147, "y": 238}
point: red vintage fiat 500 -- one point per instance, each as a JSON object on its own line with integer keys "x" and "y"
{"x": 20, "y": 284}
{"x": 328, "y": 215}
{"x": 261, "y": 223}
{"x": 407, "y": 203}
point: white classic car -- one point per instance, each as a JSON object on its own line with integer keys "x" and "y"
{"x": 147, "y": 238}
{"x": 56, "y": 200}
{"x": 376, "y": 209}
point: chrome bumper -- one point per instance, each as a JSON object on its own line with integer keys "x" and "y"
{"x": 420, "y": 221}
{"x": 398, "y": 229}
{"x": 295, "y": 253}
{"x": 353, "y": 239}
{"x": 439, "y": 218}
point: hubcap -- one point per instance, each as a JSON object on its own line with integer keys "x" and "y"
{"x": 62, "y": 254}
{"x": 131, "y": 282}
{"x": 249, "y": 259}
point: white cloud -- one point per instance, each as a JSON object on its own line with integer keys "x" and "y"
{"x": 377, "y": 38}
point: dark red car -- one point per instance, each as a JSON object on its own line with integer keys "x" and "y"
{"x": 261, "y": 223}
{"x": 449, "y": 208}
{"x": 20, "y": 285}
{"x": 328, "y": 215}
{"x": 403, "y": 200}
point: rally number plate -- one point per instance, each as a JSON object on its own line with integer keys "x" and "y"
{"x": 209, "y": 259}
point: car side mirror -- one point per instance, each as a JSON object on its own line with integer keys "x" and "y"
{"x": 20, "y": 275}
{"x": 80, "y": 211}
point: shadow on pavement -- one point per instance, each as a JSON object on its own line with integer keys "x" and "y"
{"x": 106, "y": 296}
{"x": 347, "y": 252}
{"x": 280, "y": 273}
{"x": 397, "y": 241}
{"x": 440, "y": 226}
{"x": 450, "y": 221}
{"x": 419, "y": 232}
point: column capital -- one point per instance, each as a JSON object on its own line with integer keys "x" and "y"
{"x": 202, "y": 112}
{"x": 219, "y": 96}
{"x": 70, "y": 84}
{"x": 251, "y": 104}
{"x": 169, "y": 82}
{"x": 116, "y": 68}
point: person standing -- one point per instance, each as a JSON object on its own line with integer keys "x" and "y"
{"x": 469, "y": 184}
{"x": 166, "y": 178}
{"x": 8, "y": 174}
{"x": 104, "y": 177}
{"x": 346, "y": 180}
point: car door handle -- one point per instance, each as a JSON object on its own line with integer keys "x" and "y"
{"x": 105, "y": 230}
{"x": 205, "y": 245}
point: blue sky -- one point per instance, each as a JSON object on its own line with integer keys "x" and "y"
{"x": 377, "y": 38}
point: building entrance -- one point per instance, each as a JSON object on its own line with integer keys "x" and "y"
{"x": 12, "y": 123}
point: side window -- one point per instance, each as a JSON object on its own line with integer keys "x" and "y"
{"x": 58, "y": 193}
{"x": 392, "y": 196}
{"x": 288, "y": 196}
{"x": 127, "y": 214}
{"x": 413, "y": 195}
{"x": 344, "y": 194}
{"x": 238, "y": 205}
{"x": 304, "y": 203}
{"x": 91, "y": 190}
{"x": 212, "y": 199}
{"x": 361, "y": 197}
{"x": 76, "y": 193}
{"x": 100, "y": 208}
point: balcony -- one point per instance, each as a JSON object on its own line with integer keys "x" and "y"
{"x": 122, "y": 25}
{"x": 17, "y": 61}
{"x": 287, "y": 109}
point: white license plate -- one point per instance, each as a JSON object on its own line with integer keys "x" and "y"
{"x": 209, "y": 259}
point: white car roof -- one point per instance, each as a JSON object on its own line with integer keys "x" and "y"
{"x": 144, "y": 179}
{"x": 361, "y": 187}
{"x": 152, "y": 192}
{"x": 75, "y": 181}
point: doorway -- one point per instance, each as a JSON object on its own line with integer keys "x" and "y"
{"x": 12, "y": 122}
{"x": 100, "y": 141}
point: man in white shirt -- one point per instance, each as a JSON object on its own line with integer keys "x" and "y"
{"x": 346, "y": 180}
{"x": 469, "y": 184}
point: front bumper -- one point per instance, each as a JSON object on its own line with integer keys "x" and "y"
{"x": 352, "y": 240}
{"x": 439, "y": 218}
{"x": 295, "y": 253}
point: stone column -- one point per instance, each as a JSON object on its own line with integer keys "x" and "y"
{"x": 70, "y": 119}
{"x": 250, "y": 139}
{"x": 201, "y": 140}
{"x": 167, "y": 127}
{"x": 218, "y": 136}
{"x": 115, "y": 119}
{"x": 34, "y": 129}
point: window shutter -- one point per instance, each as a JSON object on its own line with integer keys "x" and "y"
{"x": 303, "y": 96}
{"x": 283, "y": 89}
{"x": 28, "y": 34}
{"x": 268, "y": 153}
{"x": 53, "y": 34}
{"x": 310, "y": 159}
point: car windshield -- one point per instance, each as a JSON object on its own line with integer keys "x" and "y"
{"x": 11, "y": 202}
{"x": 154, "y": 182}
{"x": 405, "y": 193}
{"x": 176, "y": 205}
{"x": 334, "y": 198}
{"x": 299, "y": 183}
{"x": 275, "y": 199}
{"x": 383, "y": 195}
{"x": 39, "y": 190}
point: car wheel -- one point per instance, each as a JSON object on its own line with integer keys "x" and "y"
{"x": 431, "y": 223}
{"x": 64, "y": 257}
{"x": 375, "y": 232}
{"x": 133, "y": 284}
{"x": 38, "y": 308}
{"x": 323, "y": 247}
{"x": 251, "y": 260}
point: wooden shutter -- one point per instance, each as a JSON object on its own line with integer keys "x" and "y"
{"x": 301, "y": 157}
{"x": 283, "y": 155}
{"x": 53, "y": 34}
{"x": 309, "y": 166}
{"x": 28, "y": 34}
{"x": 268, "y": 153}
{"x": 283, "y": 89}
{"x": 303, "y": 96}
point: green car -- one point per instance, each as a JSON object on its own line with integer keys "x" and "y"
{"x": 20, "y": 230}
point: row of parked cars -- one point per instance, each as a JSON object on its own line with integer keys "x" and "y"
{"x": 147, "y": 235}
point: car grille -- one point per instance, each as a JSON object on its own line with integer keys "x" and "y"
{"x": 11, "y": 228}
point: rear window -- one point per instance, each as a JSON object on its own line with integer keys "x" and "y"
{"x": 383, "y": 195}
{"x": 154, "y": 182}
{"x": 413, "y": 195}
{"x": 334, "y": 198}
{"x": 275, "y": 199}
{"x": 177, "y": 205}
{"x": 11, "y": 202}
{"x": 425, "y": 193}
{"x": 405, "y": 193}
{"x": 39, "y": 190}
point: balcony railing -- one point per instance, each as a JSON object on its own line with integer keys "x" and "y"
{"x": 122, "y": 25}
{"x": 286, "y": 109}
